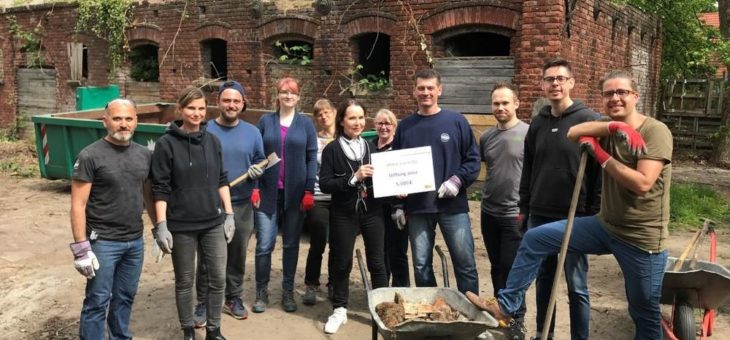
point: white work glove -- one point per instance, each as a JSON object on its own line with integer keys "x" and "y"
{"x": 163, "y": 237}
{"x": 399, "y": 217}
{"x": 84, "y": 259}
{"x": 254, "y": 173}
{"x": 229, "y": 227}
{"x": 450, "y": 187}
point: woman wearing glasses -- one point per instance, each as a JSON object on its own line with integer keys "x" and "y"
{"x": 396, "y": 236}
{"x": 285, "y": 191}
{"x": 346, "y": 173}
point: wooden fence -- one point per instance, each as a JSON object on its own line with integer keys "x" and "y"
{"x": 693, "y": 111}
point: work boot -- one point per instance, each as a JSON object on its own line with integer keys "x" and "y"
{"x": 491, "y": 306}
{"x": 200, "y": 317}
{"x": 287, "y": 300}
{"x": 234, "y": 306}
{"x": 516, "y": 330}
{"x": 262, "y": 300}
{"x": 310, "y": 296}
{"x": 188, "y": 333}
{"x": 214, "y": 333}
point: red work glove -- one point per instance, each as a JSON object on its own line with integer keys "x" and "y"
{"x": 631, "y": 137}
{"x": 591, "y": 145}
{"x": 307, "y": 201}
{"x": 520, "y": 219}
{"x": 255, "y": 198}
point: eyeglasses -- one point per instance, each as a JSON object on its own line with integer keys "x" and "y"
{"x": 561, "y": 79}
{"x": 286, "y": 93}
{"x": 621, "y": 93}
{"x": 383, "y": 124}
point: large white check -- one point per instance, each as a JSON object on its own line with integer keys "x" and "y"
{"x": 405, "y": 171}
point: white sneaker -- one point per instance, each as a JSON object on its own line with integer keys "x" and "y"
{"x": 337, "y": 319}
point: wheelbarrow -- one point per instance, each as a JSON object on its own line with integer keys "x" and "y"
{"x": 476, "y": 328}
{"x": 694, "y": 284}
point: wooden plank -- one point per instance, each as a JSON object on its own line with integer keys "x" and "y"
{"x": 471, "y": 71}
{"x": 469, "y": 108}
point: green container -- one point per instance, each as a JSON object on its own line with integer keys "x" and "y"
{"x": 92, "y": 97}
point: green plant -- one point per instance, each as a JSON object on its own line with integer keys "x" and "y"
{"x": 366, "y": 83}
{"x": 691, "y": 202}
{"x": 294, "y": 53}
{"x": 144, "y": 67}
{"x": 31, "y": 41}
{"x": 108, "y": 20}
{"x": 475, "y": 195}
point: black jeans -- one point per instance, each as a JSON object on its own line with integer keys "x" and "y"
{"x": 213, "y": 251}
{"x": 344, "y": 227}
{"x": 502, "y": 236}
{"x": 318, "y": 223}
{"x": 396, "y": 252}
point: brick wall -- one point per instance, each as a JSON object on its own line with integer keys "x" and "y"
{"x": 601, "y": 37}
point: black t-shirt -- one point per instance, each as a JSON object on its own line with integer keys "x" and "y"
{"x": 117, "y": 175}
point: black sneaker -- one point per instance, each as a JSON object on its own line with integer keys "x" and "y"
{"x": 262, "y": 301}
{"x": 310, "y": 295}
{"x": 235, "y": 308}
{"x": 516, "y": 330}
{"x": 287, "y": 300}
{"x": 200, "y": 318}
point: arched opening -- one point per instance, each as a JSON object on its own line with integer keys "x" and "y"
{"x": 372, "y": 60}
{"x": 144, "y": 65}
{"x": 214, "y": 55}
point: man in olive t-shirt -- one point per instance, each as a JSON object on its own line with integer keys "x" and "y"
{"x": 635, "y": 153}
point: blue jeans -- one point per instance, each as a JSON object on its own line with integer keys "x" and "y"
{"x": 113, "y": 289}
{"x": 267, "y": 225}
{"x": 576, "y": 278}
{"x": 456, "y": 230}
{"x": 643, "y": 271}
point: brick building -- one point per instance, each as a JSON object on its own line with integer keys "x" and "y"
{"x": 474, "y": 43}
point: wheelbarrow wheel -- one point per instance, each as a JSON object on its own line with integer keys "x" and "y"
{"x": 684, "y": 321}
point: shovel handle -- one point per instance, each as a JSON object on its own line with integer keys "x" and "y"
{"x": 244, "y": 177}
{"x": 363, "y": 271}
{"x": 444, "y": 265}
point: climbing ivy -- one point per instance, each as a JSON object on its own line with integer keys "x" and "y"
{"x": 107, "y": 19}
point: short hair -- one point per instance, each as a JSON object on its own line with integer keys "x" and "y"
{"x": 506, "y": 85}
{"x": 389, "y": 115}
{"x": 121, "y": 101}
{"x": 188, "y": 94}
{"x": 428, "y": 74}
{"x": 340, "y": 117}
{"x": 321, "y": 105}
{"x": 624, "y": 74}
{"x": 557, "y": 62}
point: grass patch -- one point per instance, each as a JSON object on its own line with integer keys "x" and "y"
{"x": 18, "y": 158}
{"x": 691, "y": 202}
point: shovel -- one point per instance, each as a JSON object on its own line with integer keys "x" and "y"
{"x": 270, "y": 161}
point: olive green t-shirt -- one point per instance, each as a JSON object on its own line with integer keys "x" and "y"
{"x": 639, "y": 220}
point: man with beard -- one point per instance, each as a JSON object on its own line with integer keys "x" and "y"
{"x": 501, "y": 148}
{"x": 242, "y": 149}
{"x": 109, "y": 190}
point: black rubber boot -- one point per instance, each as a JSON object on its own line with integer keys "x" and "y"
{"x": 188, "y": 333}
{"x": 214, "y": 334}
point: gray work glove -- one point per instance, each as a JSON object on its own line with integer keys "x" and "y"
{"x": 254, "y": 173}
{"x": 450, "y": 187}
{"x": 84, "y": 259}
{"x": 163, "y": 237}
{"x": 229, "y": 227}
{"x": 399, "y": 217}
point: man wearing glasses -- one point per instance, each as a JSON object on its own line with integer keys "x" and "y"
{"x": 549, "y": 172}
{"x": 635, "y": 152}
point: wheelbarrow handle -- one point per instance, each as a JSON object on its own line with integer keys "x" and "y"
{"x": 444, "y": 265}
{"x": 363, "y": 271}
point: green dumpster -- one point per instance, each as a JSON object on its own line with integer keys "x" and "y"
{"x": 92, "y": 97}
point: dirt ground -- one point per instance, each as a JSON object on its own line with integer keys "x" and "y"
{"x": 41, "y": 293}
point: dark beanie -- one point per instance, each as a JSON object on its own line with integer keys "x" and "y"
{"x": 232, "y": 84}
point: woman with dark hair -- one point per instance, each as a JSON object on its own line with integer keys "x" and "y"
{"x": 346, "y": 173}
{"x": 192, "y": 199}
{"x": 285, "y": 192}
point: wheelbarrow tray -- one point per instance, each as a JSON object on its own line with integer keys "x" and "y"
{"x": 707, "y": 286}
{"x": 420, "y": 329}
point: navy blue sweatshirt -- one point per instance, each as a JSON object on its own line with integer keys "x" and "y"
{"x": 550, "y": 166}
{"x": 187, "y": 170}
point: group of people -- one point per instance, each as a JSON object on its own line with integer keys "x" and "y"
{"x": 324, "y": 181}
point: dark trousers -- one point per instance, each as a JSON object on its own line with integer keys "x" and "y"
{"x": 502, "y": 236}
{"x": 344, "y": 227}
{"x": 396, "y": 252}
{"x": 318, "y": 223}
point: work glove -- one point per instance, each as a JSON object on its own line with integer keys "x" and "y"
{"x": 84, "y": 259}
{"x": 254, "y": 173}
{"x": 450, "y": 187}
{"x": 590, "y": 144}
{"x": 631, "y": 137}
{"x": 229, "y": 227}
{"x": 307, "y": 201}
{"x": 255, "y": 198}
{"x": 163, "y": 237}
{"x": 520, "y": 219}
{"x": 399, "y": 217}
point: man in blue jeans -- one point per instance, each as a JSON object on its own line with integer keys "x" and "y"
{"x": 635, "y": 153}
{"x": 109, "y": 189}
{"x": 456, "y": 165}
{"x": 549, "y": 171}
